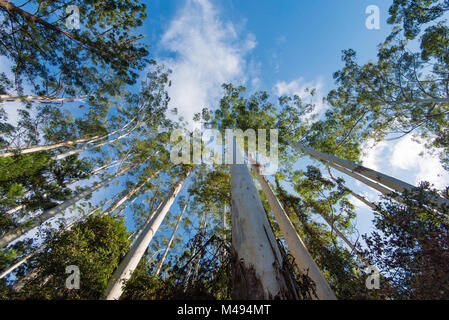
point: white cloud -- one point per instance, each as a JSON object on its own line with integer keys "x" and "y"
{"x": 411, "y": 155}
{"x": 373, "y": 157}
{"x": 406, "y": 159}
{"x": 207, "y": 53}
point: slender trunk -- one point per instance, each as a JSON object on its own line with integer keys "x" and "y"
{"x": 390, "y": 182}
{"x": 189, "y": 271}
{"x": 125, "y": 207}
{"x": 129, "y": 263}
{"x": 19, "y": 284}
{"x": 258, "y": 266}
{"x": 13, "y": 267}
{"x": 136, "y": 234}
{"x": 345, "y": 239}
{"x": 14, "y": 234}
{"x": 303, "y": 259}
{"x": 68, "y": 143}
{"x": 40, "y": 99}
{"x": 129, "y": 195}
{"x": 200, "y": 246}
{"x": 13, "y": 210}
{"x": 385, "y": 191}
{"x": 161, "y": 262}
{"x": 106, "y": 166}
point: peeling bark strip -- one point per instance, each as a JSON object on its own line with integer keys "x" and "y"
{"x": 303, "y": 259}
{"x": 258, "y": 263}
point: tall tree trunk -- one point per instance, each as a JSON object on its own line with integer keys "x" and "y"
{"x": 137, "y": 233}
{"x": 357, "y": 170}
{"x": 127, "y": 266}
{"x": 161, "y": 262}
{"x": 258, "y": 266}
{"x": 303, "y": 259}
{"x": 16, "y": 233}
{"x": 67, "y": 143}
{"x": 13, "y": 210}
{"x": 13, "y": 267}
{"x": 129, "y": 195}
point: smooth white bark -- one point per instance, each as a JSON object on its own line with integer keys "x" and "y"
{"x": 303, "y": 259}
{"x": 129, "y": 195}
{"x": 90, "y": 147}
{"x": 92, "y": 173}
{"x": 390, "y": 182}
{"x": 127, "y": 266}
{"x": 258, "y": 258}
{"x": 170, "y": 241}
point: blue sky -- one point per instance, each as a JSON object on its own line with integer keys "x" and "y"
{"x": 281, "y": 47}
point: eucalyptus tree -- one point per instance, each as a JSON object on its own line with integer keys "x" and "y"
{"x": 254, "y": 113}
{"x": 337, "y": 263}
{"x": 170, "y": 241}
{"x": 25, "y": 257}
{"x": 60, "y": 208}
